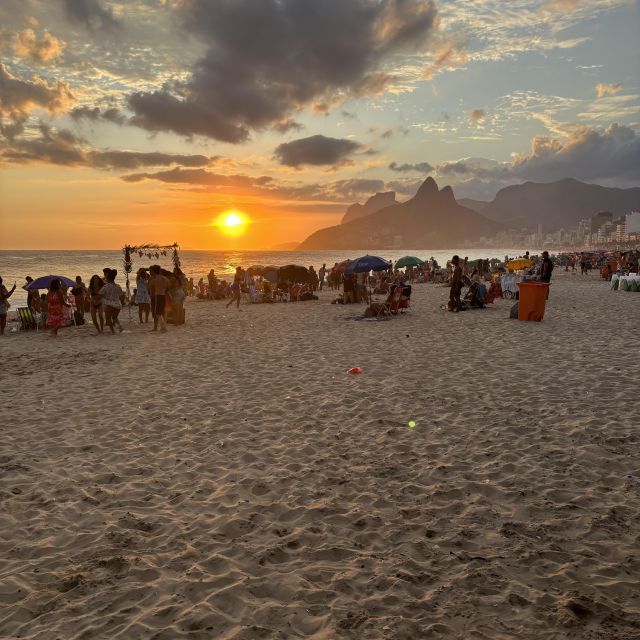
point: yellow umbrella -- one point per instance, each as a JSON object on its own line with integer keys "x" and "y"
{"x": 520, "y": 263}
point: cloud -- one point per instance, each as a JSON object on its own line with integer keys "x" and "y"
{"x": 91, "y": 14}
{"x": 355, "y": 187}
{"x": 54, "y": 147}
{"x": 41, "y": 50}
{"x": 420, "y": 167}
{"x": 266, "y": 60}
{"x": 316, "y": 150}
{"x": 447, "y": 57}
{"x": 134, "y": 160}
{"x": 18, "y": 97}
{"x": 95, "y": 113}
{"x": 476, "y": 116}
{"x": 604, "y": 89}
{"x": 586, "y": 154}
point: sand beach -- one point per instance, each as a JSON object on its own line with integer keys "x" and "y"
{"x": 231, "y": 480}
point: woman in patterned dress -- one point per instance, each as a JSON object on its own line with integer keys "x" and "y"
{"x": 143, "y": 298}
{"x": 56, "y": 307}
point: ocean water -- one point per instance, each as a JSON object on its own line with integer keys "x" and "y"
{"x": 16, "y": 265}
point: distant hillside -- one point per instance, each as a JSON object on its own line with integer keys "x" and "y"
{"x": 432, "y": 218}
{"x": 475, "y": 205}
{"x": 558, "y": 204}
{"x": 373, "y": 204}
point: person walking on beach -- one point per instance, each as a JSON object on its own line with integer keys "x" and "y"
{"x": 4, "y": 305}
{"x": 112, "y": 297}
{"x": 236, "y": 288}
{"x": 158, "y": 286}
{"x": 456, "y": 285}
{"x": 56, "y": 306}
{"x": 95, "y": 300}
{"x": 322, "y": 272}
{"x": 143, "y": 298}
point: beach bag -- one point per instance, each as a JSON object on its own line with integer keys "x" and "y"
{"x": 78, "y": 318}
{"x": 633, "y": 286}
{"x": 513, "y": 314}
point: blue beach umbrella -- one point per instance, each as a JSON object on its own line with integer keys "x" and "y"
{"x": 44, "y": 282}
{"x": 368, "y": 263}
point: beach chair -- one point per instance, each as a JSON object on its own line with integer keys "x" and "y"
{"x": 27, "y": 320}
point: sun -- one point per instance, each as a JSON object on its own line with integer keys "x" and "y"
{"x": 232, "y": 223}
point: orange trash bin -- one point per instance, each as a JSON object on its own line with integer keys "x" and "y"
{"x": 532, "y": 300}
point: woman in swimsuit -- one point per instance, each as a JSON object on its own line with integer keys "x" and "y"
{"x": 97, "y": 313}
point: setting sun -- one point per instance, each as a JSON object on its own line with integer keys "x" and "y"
{"x": 232, "y": 223}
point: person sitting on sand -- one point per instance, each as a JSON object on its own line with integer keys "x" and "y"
{"x": 112, "y": 297}
{"x": 158, "y": 286}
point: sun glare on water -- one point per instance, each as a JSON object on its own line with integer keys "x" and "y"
{"x": 232, "y": 223}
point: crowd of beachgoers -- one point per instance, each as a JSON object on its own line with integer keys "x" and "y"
{"x": 160, "y": 294}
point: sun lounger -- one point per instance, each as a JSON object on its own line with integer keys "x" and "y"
{"x": 27, "y": 319}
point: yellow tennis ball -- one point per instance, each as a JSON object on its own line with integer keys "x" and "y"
{"x": 411, "y": 424}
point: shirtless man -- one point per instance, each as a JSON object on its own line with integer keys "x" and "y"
{"x": 158, "y": 286}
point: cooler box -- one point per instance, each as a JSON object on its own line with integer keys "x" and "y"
{"x": 533, "y": 299}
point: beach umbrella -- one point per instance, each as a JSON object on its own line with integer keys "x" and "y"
{"x": 368, "y": 263}
{"x": 44, "y": 282}
{"x": 519, "y": 263}
{"x": 408, "y": 261}
{"x": 294, "y": 273}
{"x": 341, "y": 266}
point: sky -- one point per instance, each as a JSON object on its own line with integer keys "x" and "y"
{"x": 124, "y": 122}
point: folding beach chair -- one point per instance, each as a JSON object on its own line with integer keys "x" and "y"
{"x": 27, "y": 319}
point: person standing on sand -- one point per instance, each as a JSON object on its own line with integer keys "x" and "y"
{"x": 80, "y": 294}
{"x": 4, "y": 304}
{"x": 456, "y": 285}
{"x": 112, "y": 297}
{"x": 322, "y": 272}
{"x": 97, "y": 314}
{"x": 55, "y": 308}
{"x": 33, "y": 296}
{"x": 142, "y": 299}
{"x": 546, "y": 268}
{"x": 236, "y": 287}
{"x": 158, "y": 286}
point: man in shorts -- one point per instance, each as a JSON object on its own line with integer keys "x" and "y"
{"x": 456, "y": 285}
{"x": 158, "y": 286}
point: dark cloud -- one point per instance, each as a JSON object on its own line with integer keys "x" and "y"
{"x": 19, "y": 97}
{"x": 91, "y": 14}
{"x": 586, "y": 154}
{"x": 268, "y": 59}
{"x": 316, "y": 150}
{"x": 134, "y": 160}
{"x": 95, "y": 113}
{"x": 54, "y": 147}
{"x": 420, "y": 167}
{"x": 354, "y": 188}
{"x": 200, "y": 177}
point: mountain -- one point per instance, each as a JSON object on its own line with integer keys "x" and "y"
{"x": 373, "y": 204}
{"x": 431, "y": 219}
{"x": 558, "y": 204}
{"x": 475, "y": 205}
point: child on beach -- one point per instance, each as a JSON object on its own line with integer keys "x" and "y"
{"x": 112, "y": 297}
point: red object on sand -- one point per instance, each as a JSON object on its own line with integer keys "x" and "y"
{"x": 354, "y": 370}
